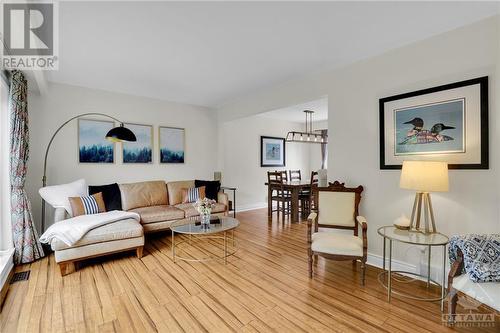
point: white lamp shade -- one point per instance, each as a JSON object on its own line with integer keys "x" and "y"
{"x": 424, "y": 176}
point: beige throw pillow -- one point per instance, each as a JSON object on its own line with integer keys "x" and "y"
{"x": 193, "y": 194}
{"x": 87, "y": 205}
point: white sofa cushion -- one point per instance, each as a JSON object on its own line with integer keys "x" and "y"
{"x": 57, "y": 195}
{"x": 485, "y": 292}
{"x": 334, "y": 243}
{"x": 97, "y": 249}
{"x": 124, "y": 229}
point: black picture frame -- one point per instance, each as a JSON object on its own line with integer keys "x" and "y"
{"x": 282, "y": 163}
{"x": 484, "y": 135}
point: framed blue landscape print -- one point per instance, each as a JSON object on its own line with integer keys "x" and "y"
{"x": 446, "y": 123}
{"x": 272, "y": 151}
{"x": 92, "y": 144}
{"x": 171, "y": 144}
{"x": 140, "y": 151}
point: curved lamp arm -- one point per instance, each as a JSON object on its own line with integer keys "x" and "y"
{"x": 44, "y": 178}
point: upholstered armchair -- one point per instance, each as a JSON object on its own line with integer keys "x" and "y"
{"x": 336, "y": 206}
{"x": 474, "y": 276}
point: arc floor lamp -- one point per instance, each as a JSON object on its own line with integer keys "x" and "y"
{"x": 116, "y": 134}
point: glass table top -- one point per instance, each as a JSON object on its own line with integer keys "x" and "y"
{"x": 412, "y": 237}
{"x": 193, "y": 225}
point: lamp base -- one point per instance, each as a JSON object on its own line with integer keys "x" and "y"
{"x": 423, "y": 199}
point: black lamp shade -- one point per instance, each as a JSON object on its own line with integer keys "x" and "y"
{"x": 121, "y": 133}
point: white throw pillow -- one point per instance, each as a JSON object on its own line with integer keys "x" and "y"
{"x": 57, "y": 195}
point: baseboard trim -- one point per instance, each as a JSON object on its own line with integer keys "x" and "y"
{"x": 397, "y": 265}
{"x": 244, "y": 208}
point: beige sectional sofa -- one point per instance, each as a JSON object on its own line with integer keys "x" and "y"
{"x": 159, "y": 204}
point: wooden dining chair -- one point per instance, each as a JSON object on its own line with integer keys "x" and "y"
{"x": 308, "y": 202}
{"x": 337, "y": 207}
{"x": 294, "y": 175}
{"x": 314, "y": 178}
{"x": 279, "y": 194}
{"x": 304, "y": 195}
{"x": 284, "y": 174}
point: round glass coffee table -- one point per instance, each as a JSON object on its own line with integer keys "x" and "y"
{"x": 437, "y": 239}
{"x": 219, "y": 229}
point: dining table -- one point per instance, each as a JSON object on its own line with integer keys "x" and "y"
{"x": 294, "y": 187}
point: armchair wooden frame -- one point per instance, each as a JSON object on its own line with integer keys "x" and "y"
{"x": 456, "y": 269}
{"x": 453, "y": 294}
{"x": 312, "y": 223}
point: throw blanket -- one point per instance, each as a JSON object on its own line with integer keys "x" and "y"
{"x": 481, "y": 256}
{"x": 72, "y": 230}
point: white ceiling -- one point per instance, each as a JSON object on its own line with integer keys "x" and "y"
{"x": 208, "y": 53}
{"x": 295, "y": 113}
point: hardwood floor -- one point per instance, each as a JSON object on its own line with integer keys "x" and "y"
{"x": 264, "y": 287}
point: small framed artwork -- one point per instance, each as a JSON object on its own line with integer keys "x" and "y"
{"x": 140, "y": 151}
{"x": 93, "y": 147}
{"x": 272, "y": 151}
{"x": 172, "y": 144}
{"x": 447, "y": 123}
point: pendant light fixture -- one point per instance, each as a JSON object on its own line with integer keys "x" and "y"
{"x": 309, "y": 135}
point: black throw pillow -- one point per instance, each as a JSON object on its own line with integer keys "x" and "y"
{"x": 212, "y": 187}
{"x": 110, "y": 194}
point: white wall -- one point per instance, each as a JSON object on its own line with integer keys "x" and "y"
{"x": 240, "y": 156}
{"x": 64, "y": 101}
{"x": 315, "y": 149}
{"x": 353, "y": 93}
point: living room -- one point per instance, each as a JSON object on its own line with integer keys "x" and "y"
{"x": 201, "y": 86}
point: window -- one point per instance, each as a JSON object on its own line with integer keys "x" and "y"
{"x": 5, "y": 229}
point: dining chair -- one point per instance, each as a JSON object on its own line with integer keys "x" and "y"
{"x": 304, "y": 195}
{"x": 279, "y": 194}
{"x": 337, "y": 206}
{"x": 308, "y": 203}
{"x": 284, "y": 174}
{"x": 294, "y": 175}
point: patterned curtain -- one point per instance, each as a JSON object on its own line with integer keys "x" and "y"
{"x": 25, "y": 236}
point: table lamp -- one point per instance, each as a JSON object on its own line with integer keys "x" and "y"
{"x": 424, "y": 177}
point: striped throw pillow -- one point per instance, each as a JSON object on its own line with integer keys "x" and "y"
{"x": 193, "y": 194}
{"x": 86, "y": 205}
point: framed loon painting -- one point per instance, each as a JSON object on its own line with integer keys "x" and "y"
{"x": 447, "y": 123}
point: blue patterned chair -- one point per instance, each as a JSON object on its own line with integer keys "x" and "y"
{"x": 475, "y": 271}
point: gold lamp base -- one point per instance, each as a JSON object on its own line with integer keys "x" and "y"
{"x": 423, "y": 199}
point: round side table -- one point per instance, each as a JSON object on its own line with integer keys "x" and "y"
{"x": 437, "y": 239}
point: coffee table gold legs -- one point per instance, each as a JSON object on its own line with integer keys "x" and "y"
{"x": 226, "y": 238}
